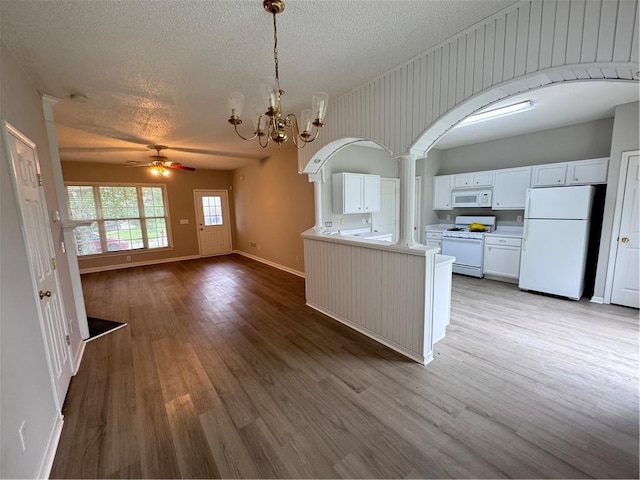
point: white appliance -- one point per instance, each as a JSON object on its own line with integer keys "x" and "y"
{"x": 555, "y": 240}
{"x": 471, "y": 198}
{"x": 467, "y": 246}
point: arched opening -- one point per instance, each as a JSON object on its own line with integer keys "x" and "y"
{"x": 571, "y": 121}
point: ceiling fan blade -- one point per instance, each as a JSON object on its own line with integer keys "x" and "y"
{"x": 108, "y": 132}
{"x": 217, "y": 153}
{"x": 179, "y": 166}
{"x": 100, "y": 149}
{"x": 129, "y": 165}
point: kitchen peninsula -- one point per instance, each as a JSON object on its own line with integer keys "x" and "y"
{"x": 397, "y": 295}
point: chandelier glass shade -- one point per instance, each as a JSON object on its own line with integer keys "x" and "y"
{"x": 269, "y": 122}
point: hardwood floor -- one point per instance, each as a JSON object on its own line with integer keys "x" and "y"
{"x": 223, "y": 371}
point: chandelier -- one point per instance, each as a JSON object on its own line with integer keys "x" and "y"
{"x": 272, "y": 124}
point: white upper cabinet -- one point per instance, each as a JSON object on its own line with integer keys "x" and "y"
{"x": 551, "y": 175}
{"x": 581, "y": 172}
{"x": 355, "y": 193}
{"x": 477, "y": 179}
{"x": 510, "y": 188}
{"x": 371, "y": 194}
{"x": 588, "y": 172}
{"x": 442, "y": 185}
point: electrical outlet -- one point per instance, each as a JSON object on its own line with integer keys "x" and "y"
{"x": 22, "y": 432}
{"x": 342, "y": 221}
{"x": 328, "y": 224}
{"x": 448, "y": 217}
{"x": 128, "y": 258}
{"x": 254, "y": 244}
{"x": 519, "y": 218}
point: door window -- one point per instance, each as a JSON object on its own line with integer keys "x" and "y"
{"x": 212, "y": 210}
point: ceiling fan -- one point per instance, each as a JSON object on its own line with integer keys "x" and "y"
{"x": 160, "y": 164}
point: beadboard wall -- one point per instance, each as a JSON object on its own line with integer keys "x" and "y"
{"x": 528, "y": 45}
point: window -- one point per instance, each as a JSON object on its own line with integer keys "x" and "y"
{"x": 212, "y": 210}
{"x": 126, "y": 217}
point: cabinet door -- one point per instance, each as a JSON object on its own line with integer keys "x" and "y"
{"x": 463, "y": 180}
{"x": 551, "y": 175}
{"x": 371, "y": 194}
{"x": 483, "y": 179}
{"x": 353, "y": 191}
{"x": 588, "y": 172}
{"x": 510, "y": 188}
{"x": 502, "y": 261}
{"x": 442, "y": 192}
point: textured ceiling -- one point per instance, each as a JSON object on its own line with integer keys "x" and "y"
{"x": 159, "y": 71}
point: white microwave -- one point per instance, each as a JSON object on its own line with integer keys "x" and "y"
{"x": 471, "y": 198}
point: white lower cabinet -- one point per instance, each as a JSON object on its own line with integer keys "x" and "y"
{"x": 433, "y": 239}
{"x": 502, "y": 257}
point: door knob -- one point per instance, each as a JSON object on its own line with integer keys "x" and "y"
{"x": 624, "y": 239}
{"x": 45, "y": 294}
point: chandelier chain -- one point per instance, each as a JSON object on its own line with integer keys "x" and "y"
{"x": 275, "y": 50}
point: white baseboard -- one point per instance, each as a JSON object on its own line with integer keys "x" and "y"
{"x": 423, "y": 359}
{"x": 270, "y": 263}
{"x": 599, "y": 300}
{"x": 138, "y": 264}
{"x": 78, "y": 357}
{"x": 52, "y": 445}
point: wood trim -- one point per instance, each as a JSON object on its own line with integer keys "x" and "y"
{"x": 270, "y": 263}
{"x": 120, "y": 266}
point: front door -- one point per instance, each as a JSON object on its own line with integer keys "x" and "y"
{"x": 212, "y": 215}
{"x": 626, "y": 281}
{"x": 25, "y": 172}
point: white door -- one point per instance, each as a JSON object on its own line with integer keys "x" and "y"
{"x": 626, "y": 280}
{"x": 386, "y": 220}
{"x": 214, "y": 229}
{"x": 25, "y": 169}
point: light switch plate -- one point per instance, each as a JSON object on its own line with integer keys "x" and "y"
{"x": 184, "y": 221}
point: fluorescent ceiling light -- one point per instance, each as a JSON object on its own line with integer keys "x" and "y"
{"x": 497, "y": 112}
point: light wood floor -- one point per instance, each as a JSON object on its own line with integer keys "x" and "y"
{"x": 224, "y": 372}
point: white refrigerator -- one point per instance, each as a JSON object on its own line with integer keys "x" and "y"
{"x": 555, "y": 240}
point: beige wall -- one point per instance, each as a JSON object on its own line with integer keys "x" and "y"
{"x": 274, "y": 205}
{"x": 26, "y": 392}
{"x": 180, "y": 186}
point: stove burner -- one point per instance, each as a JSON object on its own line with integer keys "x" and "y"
{"x": 456, "y": 229}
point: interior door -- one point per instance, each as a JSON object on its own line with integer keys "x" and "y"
{"x": 214, "y": 229}
{"x": 25, "y": 172}
{"x": 626, "y": 278}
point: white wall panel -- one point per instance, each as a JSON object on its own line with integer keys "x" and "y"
{"x": 607, "y": 31}
{"x": 564, "y": 40}
{"x": 377, "y": 291}
{"x": 575, "y": 32}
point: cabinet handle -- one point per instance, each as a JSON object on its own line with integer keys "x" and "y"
{"x": 575, "y": 179}
{"x": 559, "y": 180}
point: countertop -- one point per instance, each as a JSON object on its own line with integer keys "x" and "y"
{"x": 507, "y": 231}
{"x": 439, "y": 228}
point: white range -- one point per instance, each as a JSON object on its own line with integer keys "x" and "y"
{"x": 467, "y": 246}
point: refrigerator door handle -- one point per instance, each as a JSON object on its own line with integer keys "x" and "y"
{"x": 525, "y": 230}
